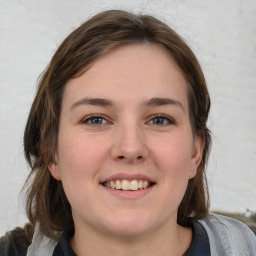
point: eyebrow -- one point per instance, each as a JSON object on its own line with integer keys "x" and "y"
{"x": 162, "y": 102}
{"x": 108, "y": 103}
{"x": 93, "y": 101}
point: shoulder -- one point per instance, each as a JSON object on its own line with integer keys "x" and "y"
{"x": 229, "y": 235}
{"x": 14, "y": 243}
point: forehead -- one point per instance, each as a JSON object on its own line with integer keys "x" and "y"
{"x": 135, "y": 71}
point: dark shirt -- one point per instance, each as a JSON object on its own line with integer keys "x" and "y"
{"x": 63, "y": 248}
{"x": 200, "y": 244}
{"x": 15, "y": 243}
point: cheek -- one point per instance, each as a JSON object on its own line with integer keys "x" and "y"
{"x": 172, "y": 158}
{"x": 174, "y": 155}
{"x": 80, "y": 158}
{"x": 79, "y": 149}
{"x": 77, "y": 168}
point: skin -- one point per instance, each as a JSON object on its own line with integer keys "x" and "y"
{"x": 128, "y": 139}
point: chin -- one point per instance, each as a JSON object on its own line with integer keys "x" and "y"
{"x": 129, "y": 227}
{"x": 130, "y": 232}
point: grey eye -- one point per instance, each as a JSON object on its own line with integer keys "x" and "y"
{"x": 161, "y": 120}
{"x": 94, "y": 120}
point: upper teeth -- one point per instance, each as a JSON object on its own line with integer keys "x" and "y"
{"x": 127, "y": 185}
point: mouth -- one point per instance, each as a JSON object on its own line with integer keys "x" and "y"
{"x": 128, "y": 185}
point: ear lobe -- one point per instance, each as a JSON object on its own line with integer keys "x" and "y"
{"x": 54, "y": 170}
{"x": 197, "y": 154}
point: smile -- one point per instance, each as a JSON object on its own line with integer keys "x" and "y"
{"x": 126, "y": 185}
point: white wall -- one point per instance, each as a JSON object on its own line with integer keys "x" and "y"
{"x": 221, "y": 33}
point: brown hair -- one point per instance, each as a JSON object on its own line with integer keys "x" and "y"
{"x": 46, "y": 201}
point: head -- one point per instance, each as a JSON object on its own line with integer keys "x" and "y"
{"x": 103, "y": 33}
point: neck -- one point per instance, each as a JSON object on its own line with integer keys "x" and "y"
{"x": 167, "y": 240}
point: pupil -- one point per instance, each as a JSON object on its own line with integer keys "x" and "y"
{"x": 96, "y": 120}
{"x": 158, "y": 121}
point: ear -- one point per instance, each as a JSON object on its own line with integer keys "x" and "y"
{"x": 54, "y": 169}
{"x": 197, "y": 153}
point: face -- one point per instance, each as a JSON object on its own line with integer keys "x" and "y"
{"x": 125, "y": 146}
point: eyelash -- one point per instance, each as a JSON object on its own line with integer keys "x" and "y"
{"x": 91, "y": 117}
{"x": 169, "y": 120}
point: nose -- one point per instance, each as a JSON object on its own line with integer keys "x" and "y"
{"x": 129, "y": 144}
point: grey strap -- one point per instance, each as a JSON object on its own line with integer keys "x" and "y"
{"x": 41, "y": 245}
{"x": 229, "y": 237}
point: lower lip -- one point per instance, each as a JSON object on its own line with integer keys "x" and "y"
{"x": 129, "y": 194}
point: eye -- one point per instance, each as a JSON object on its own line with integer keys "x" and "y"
{"x": 161, "y": 119}
{"x": 94, "y": 120}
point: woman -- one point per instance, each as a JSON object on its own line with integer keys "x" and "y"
{"x": 117, "y": 143}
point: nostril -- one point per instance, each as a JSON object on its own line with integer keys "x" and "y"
{"x": 123, "y": 157}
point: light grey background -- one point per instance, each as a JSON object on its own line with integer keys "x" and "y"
{"x": 222, "y": 34}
